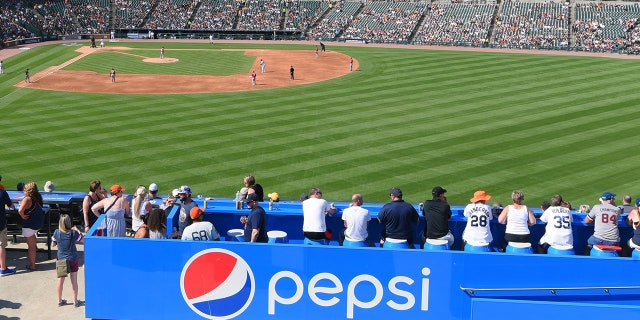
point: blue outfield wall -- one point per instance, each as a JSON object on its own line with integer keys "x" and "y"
{"x": 231, "y": 280}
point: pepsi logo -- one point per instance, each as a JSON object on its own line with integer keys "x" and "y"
{"x": 217, "y": 284}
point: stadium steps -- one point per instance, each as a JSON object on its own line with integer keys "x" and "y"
{"x": 236, "y": 20}
{"x": 418, "y": 25}
{"x": 345, "y": 27}
{"x": 148, "y": 15}
{"x": 193, "y": 15}
{"x": 315, "y": 23}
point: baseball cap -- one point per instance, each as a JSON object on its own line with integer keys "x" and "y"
{"x": 438, "y": 191}
{"x": 396, "y": 192}
{"x": 638, "y": 202}
{"x": 196, "y": 212}
{"x": 274, "y": 196}
{"x": 480, "y": 195}
{"x": 153, "y": 187}
{"x": 49, "y": 186}
{"x": 116, "y": 188}
{"x": 184, "y": 189}
{"x": 175, "y": 192}
{"x": 608, "y": 196}
{"x": 251, "y": 197}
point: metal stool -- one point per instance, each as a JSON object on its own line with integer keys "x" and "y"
{"x": 235, "y": 235}
{"x": 519, "y": 248}
{"x": 477, "y": 247}
{"x": 436, "y": 244}
{"x": 348, "y": 243}
{"x": 561, "y": 250}
{"x": 322, "y": 242}
{"x": 599, "y": 250}
{"x": 277, "y": 236}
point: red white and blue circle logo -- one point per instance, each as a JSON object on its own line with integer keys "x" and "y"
{"x": 217, "y": 284}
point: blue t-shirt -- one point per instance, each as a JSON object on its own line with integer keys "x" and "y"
{"x": 4, "y": 201}
{"x": 398, "y": 219}
{"x": 62, "y": 239}
{"x": 257, "y": 220}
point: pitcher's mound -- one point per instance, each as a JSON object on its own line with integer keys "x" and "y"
{"x": 158, "y": 60}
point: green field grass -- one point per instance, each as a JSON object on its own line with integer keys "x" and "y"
{"x": 408, "y": 118}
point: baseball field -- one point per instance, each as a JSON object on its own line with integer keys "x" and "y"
{"x": 409, "y": 118}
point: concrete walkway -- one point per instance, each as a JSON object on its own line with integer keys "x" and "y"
{"x": 32, "y": 294}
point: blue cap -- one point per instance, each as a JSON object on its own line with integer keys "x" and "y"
{"x": 608, "y": 196}
{"x": 638, "y": 202}
{"x": 184, "y": 189}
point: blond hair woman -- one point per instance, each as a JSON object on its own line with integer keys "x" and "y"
{"x": 518, "y": 218}
{"x": 33, "y": 217}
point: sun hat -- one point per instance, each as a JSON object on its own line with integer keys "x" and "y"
{"x": 480, "y": 195}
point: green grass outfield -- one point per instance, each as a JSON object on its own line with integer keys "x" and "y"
{"x": 408, "y": 118}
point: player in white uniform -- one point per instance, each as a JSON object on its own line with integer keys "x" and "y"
{"x": 478, "y": 213}
{"x": 263, "y": 66}
{"x": 558, "y": 232}
{"x": 200, "y": 230}
{"x": 1, "y": 67}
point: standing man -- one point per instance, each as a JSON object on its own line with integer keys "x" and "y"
{"x": 626, "y": 206}
{"x": 5, "y": 201}
{"x": 200, "y": 230}
{"x": 112, "y": 75}
{"x": 314, "y": 210}
{"x": 322, "y": 47}
{"x": 26, "y": 76}
{"x": 211, "y": 38}
{"x": 255, "y": 226}
{"x": 397, "y": 219}
{"x": 291, "y": 70}
{"x": 186, "y": 204}
{"x": 437, "y": 213}
{"x": 356, "y": 220}
{"x": 1, "y": 67}
{"x": 350, "y": 64}
{"x": 153, "y": 196}
{"x": 113, "y": 34}
{"x": 604, "y": 216}
{"x": 101, "y": 43}
{"x": 316, "y": 52}
{"x": 162, "y": 53}
{"x": 263, "y": 66}
{"x": 253, "y": 77}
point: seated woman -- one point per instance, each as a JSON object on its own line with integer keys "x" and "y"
{"x": 518, "y": 218}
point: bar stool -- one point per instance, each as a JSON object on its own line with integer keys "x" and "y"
{"x": 519, "y": 248}
{"x": 322, "y": 242}
{"x": 636, "y": 253}
{"x": 235, "y": 235}
{"x": 277, "y": 236}
{"x": 600, "y": 250}
{"x": 349, "y": 243}
{"x": 396, "y": 244}
{"x": 436, "y": 244}
{"x": 477, "y": 247}
{"x": 561, "y": 250}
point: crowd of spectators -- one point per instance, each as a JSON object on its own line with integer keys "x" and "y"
{"x": 528, "y": 25}
{"x": 216, "y": 15}
{"x": 525, "y": 24}
{"x": 261, "y": 15}
{"x": 131, "y": 13}
{"x": 603, "y": 27}
{"x": 459, "y": 24}
{"x": 385, "y": 22}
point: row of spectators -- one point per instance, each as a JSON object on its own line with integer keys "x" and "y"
{"x": 596, "y": 27}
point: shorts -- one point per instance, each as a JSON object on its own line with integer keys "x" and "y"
{"x": 28, "y": 232}
{"x": 74, "y": 265}
{"x": 3, "y": 238}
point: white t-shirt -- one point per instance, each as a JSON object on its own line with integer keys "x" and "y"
{"x": 478, "y": 229}
{"x": 201, "y": 231}
{"x": 137, "y": 222}
{"x": 313, "y": 210}
{"x": 558, "y": 231}
{"x": 518, "y": 220}
{"x": 357, "y": 219}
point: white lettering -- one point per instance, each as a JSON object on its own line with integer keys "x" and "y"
{"x": 275, "y": 297}
{"x": 313, "y": 289}
{"x": 352, "y": 300}
{"x": 424, "y": 306}
{"x": 411, "y": 300}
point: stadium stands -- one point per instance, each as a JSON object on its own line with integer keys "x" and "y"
{"x": 527, "y": 24}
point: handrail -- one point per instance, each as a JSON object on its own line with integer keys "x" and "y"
{"x": 606, "y": 289}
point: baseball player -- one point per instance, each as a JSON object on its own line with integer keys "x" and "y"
{"x": 112, "y": 75}
{"x": 253, "y": 77}
{"x": 162, "y": 53}
{"x": 316, "y": 51}
{"x": 1, "y": 67}
{"x": 211, "y": 38}
{"x": 101, "y": 43}
{"x": 291, "y": 73}
{"x": 26, "y": 76}
{"x": 263, "y": 66}
{"x": 351, "y": 64}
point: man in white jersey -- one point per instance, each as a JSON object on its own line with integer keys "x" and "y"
{"x": 200, "y": 230}
{"x": 605, "y": 217}
{"x": 478, "y": 213}
{"x": 356, "y": 220}
{"x": 558, "y": 232}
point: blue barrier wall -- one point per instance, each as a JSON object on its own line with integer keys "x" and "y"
{"x": 225, "y": 280}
